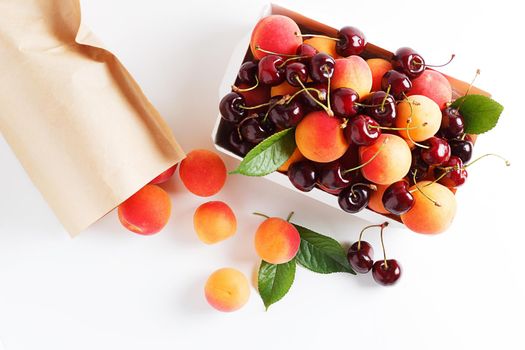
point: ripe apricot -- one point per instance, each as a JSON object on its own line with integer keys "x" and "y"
{"x": 227, "y": 290}
{"x": 275, "y": 33}
{"x": 426, "y": 217}
{"x": 352, "y": 72}
{"x": 323, "y": 45}
{"x": 295, "y": 157}
{"x": 277, "y": 241}
{"x": 320, "y": 137}
{"x": 214, "y": 222}
{"x": 433, "y": 85}
{"x": 391, "y": 163}
{"x": 203, "y": 172}
{"x": 164, "y": 176}
{"x": 375, "y": 201}
{"x": 378, "y": 67}
{"x": 424, "y": 116}
{"x": 147, "y": 211}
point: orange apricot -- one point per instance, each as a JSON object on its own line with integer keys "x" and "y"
{"x": 147, "y": 211}
{"x": 203, "y": 172}
{"x": 227, "y": 290}
{"x": 277, "y": 241}
{"x": 295, "y": 157}
{"x": 324, "y": 45}
{"x": 376, "y": 200}
{"x": 214, "y": 222}
{"x": 275, "y": 33}
{"x": 352, "y": 72}
{"x": 424, "y": 116}
{"x": 378, "y": 67}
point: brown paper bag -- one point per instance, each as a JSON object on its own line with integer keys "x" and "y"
{"x": 75, "y": 118}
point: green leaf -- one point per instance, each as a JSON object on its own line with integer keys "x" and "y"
{"x": 274, "y": 281}
{"x": 481, "y": 113}
{"x": 321, "y": 253}
{"x": 269, "y": 155}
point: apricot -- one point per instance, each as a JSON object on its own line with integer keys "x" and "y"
{"x": 283, "y": 89}
{"x": 375, "y": 201}
{"x": 323, "y": 45}
{"x": 426, "y": 217}
{"x": 320, "y": 137}
{"x": 424, "y": 114}
{"x": 164, "y": 176}
{"x": 275, "y": 33}
{"x": 147, "y": 211}
{"x": 227, "y": 289}
{"x": 203, "y": 172}
{"x": 352, "y": 72}
{"x": 277, "y": 241}
{"x": 433, "y": 85}
{"x": 391, "y": 163}
{"x": 214, "y": 222}
{"x": 378, "y": 67}
{"x": 296, "y": 156}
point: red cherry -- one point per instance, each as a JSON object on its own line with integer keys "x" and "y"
{"x": 388, "y": 274}
{"x": 360, "y": 256}
{"x": 343, "y": 102}
{"x": 351, "y": 41}
{"x": 438, "y": 151}
{"x": 362, "y": 130}
{"x": 409, "y": 62}
{"x": 270, "y": 70}
{"x": 455, "y": 176}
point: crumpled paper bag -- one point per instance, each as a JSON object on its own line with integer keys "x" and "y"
{"x": 75, "y": 118}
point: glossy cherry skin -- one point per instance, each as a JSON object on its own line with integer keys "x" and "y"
{"x": 322, "y": 67}
{"x": 462, "y": 149}
{"x": 343, "y": 102}
{"x": 286, "y": 115}
{"x": 361, "y": 256}
{"x": 362, "y": 130}
{"x": 386, "y": 275}
{"x": 455, "y": 177}
{"x": 303, "y": 175}
{"x": 231, "y": 107}
{"x": 239, "y": 146}
{"x": 438, "y": 151}
{"x": 294, "y": 71}
{"x": 352, "y": 41}
{"x": 332, "y": 178}
{"x": 271, "y": 71}
{"x": 354, "y": 198}
{"x": 399, "y": 83}
{"x": 306, "y": 52}
{"x": 248, "y": 72}
{"x": 397, "y": 198}
{"x": 383, "y": 113}
{"x": 409, "y": 62}
{"x": 419, "y": 167}
{"x": 254, "y": 130}
{"x": 308, "y": 102}
{"x": 452, "y": 124}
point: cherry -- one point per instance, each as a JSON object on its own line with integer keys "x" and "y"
{"x": 294, "y": 71}
{"x": 306, "y": 52}
{"x": 271, "y": 71}
{"x": 231, "y": 107}
{"x": 303, "y": 175}
{"x": 332, "y": 177}
{"x": 360, "y": 256}
{"x": 362, "y": 130}
{"x": 397, "y": 198}
{"x": 308, "y": 102}
{"x": 409, "y": 62}
{"x": 254, "y": 130}
{"x": 386, "y": 272}
{"x": 354, "y": 198}
{"x": 418, "y": 167}
{"x": 452, "y": 124}
{"x": 343, "y": 101}
{"x": 451, "y": 173}
{"x": 382, "y": 107}
{"x": 322, "y": 67}
{"x": 351, "y": 41}
{"x": 239, "y": 146}
{"x": 286, "y": 115}
{"x": 462, "y": 149}
{"x": 438, "y": 151}
{"x": 248, "y": 72}
{"x": 398, "y": 82}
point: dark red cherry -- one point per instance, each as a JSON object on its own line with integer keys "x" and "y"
{"x": 399, "y": 83}
{"x": 386, "y": 275}
{"x": 362, "y": 130}
{"x": 409, "y": 62}
{"x": 438, "y": 151}
{"x": 306, "y": 51}
{"x": 332, "y": 177}
{"x": 248, "y": 72}
{"x": 286, "y": 115}
{"x": 322, "y": 67}
{"x": 418, "y": 166}
{"x": 352, "y": 41}
{"x": 308, "y": 102}
{"x": 254, "y": 130}
{"x": 294, "y": 71}
{"x": 456, "y": 174}
{"x": 383, "y": 113}
{"x": 231, "y": 107}
{"x": 343, "y": 102}
{"x": 239, "y": 146}
{"x": 354, "y": 198}
{"x": 462, "y": 149}
{"x": 452, "y": 124}
{"x": 397, "y": 198}
{"x": 271, "y": 70}
{"x": 360, "y": 255}
{"x": 303, "y": 175}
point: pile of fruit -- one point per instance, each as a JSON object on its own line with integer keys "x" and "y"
{"x": 379, "y": 133}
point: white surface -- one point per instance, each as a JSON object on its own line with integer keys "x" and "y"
{"x": 111, "y": 289}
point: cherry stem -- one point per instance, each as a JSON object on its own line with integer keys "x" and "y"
{"x": 290, "y": 59}
{"x": 409, "y": 120}
{"x": 258, "y": 48}
{"x": 319, "y": 94}
{"x": 451, "y": 168}
{"x": 368, "y": 161}
{"x": 384, "y": 224}
{"x": 383, "y": 245}
{"x": 237, "y": 89}
{"x": 251, "y": 116}
{"x": 391, "y": 128}
{"x": 478, "y": 72}
{"x": 289, "y": 216}
{"x": 436, "y": 203}
{"x": 328, "y": 90}
{"x": 278, "y": 102}
{"x": 256, "y": 107}
{"x": 370, "y": 186}
{"x": 384, "y": 98}
{"x": 440, "y": 65}
{"x": 316, "y": 36}
{"x": 327, "y": 110}
{"x": 261, "y": 214}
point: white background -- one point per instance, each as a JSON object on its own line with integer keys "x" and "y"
{"x": 112, "y": 289}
